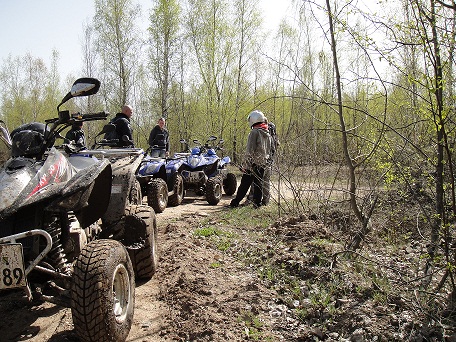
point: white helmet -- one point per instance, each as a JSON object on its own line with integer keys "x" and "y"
{"x": 255, "y": 117}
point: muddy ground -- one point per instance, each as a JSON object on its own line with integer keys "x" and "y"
{"x": 283, "y": 281}
{"x": 185, "y": 300}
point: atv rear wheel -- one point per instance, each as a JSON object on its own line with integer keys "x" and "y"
{"x": 230, "y": 184}
{"x": 213, "y": 190}
{"x": 157, "y": 194}
{"x": 103, "y": 292}
{"x": 144, "y": 259}
{"x": 178, "y": 190}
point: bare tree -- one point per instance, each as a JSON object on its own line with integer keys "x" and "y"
{"x": 118, "y": 47}
{"x": 164, "y": 38}
{"x": 211, "y": 39}
{"x": 246, "y": 44}
{"x": 364, "y": 219}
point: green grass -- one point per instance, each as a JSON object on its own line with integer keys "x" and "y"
{"x": 249, "y": 216}
{"x": 252, "y": 326}
{"x": 223, "y": 240}
{"x": 206, "y": 231}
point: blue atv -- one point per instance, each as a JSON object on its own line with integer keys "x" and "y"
{"x": 205, "y": 173}
{"x": 161, "y": 182}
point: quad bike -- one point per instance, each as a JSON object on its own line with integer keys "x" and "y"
{"x": 57, "y": 242}
{"x": 206, "y": 173}
{"x": 129, "y": 221}
{"x": 161, "y": 182}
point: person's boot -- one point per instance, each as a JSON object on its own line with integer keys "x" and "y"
{"x": 234, "y": 203}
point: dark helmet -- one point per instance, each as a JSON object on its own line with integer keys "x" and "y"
{"x": 28, "y": 139}
{"x": 77, "y": 124}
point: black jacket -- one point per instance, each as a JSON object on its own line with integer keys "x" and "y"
{"x": 159, "y": 139}
{"x": 123, "y": 127}
{"x": 76, "y": 135}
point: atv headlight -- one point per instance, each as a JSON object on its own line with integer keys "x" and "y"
{"x": 152, "y": 168}
{"x": 76, "y": 200}
{"x": 193, "y": 161}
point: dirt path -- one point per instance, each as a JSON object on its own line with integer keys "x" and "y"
{"x": 273, "y": 282}
{"x": 151, "y": 310}
{"x": 183, "y": 285}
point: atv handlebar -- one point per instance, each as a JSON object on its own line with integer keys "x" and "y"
{"x": 92, "y": 116}
{"x": 110, "y": 142}
{"x": 65, "y": 118}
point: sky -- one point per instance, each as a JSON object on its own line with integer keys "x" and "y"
{"x": 40, "y": 26}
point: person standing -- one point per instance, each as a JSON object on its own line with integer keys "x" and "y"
{"x": 268, "y": 170}
{"x": 123, "y": 132}
{"x": 256, "y": 159}
{"x": 159, "y": 140}
{"x": 76, "y": 134}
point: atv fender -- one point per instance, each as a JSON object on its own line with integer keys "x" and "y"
{"x": 124, "y": 177}
{"x": 225, "y": 161}
{"x": 94, "y": 200}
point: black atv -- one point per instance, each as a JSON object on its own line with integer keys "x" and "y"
{"x": 64, "y": 233}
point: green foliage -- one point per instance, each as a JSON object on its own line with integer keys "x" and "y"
{"x": 206, "y": 65}
{"x": 30, "y": 91}
{"x": 206, "y": 231}
{"x": 253, "y": 326}
{"x": 250, "y": 216}
{"x": 117, "y": 43}
{"x": 221, "y": 239}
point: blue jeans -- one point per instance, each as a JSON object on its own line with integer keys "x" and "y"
{"x": 156, "y": 152}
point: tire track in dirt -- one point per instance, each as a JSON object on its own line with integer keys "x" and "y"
{"x": 43, "y": 321}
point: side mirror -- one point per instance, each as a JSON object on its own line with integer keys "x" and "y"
{"x": 82, "y": 87}
{"x": 85, "y": 87}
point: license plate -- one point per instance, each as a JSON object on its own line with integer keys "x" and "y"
{"x": 11, "y": 266}
{"x": 194, "y": 177}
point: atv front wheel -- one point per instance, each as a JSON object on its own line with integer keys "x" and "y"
{"x": 103, "y": 292}
{"x": 144, "y": 259}
{"x": 230, "y": 184}
{"x": 213, "y": 190}
{"x": 178, "y": 191}
{"x": 157, "y": 194}
{"x": 135, "y": 193}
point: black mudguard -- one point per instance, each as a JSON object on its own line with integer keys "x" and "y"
{"x": 96, "y": 180}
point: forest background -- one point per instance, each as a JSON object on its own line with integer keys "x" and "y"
{"x": 365, "y": 93}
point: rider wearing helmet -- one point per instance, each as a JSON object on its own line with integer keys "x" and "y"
{"x": 76, "y": 134}
{"x": 268, "y": 170}
{"x": 258, "y": 151}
